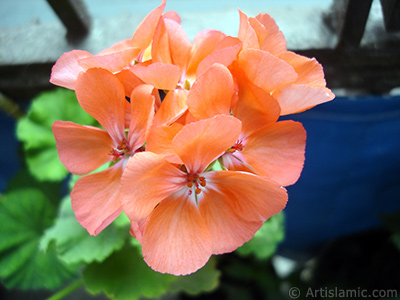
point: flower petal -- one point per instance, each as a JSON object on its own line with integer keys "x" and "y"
{"x": 204, "y": 44}
{"x": 180, "y": 45}
{"x": 309, "y": 70}
{"x": 146, "y": 172}
{"x": 246, "y": 33}
{"x": 201, "y": 142}
{"x": 114, "y": 62}
{"x": 211, "y": 93}
{"x": 119, "y": 46}
{"x": 160, "y": 139}
{"x": 129, "y": 80}
{"x": 255, "y": 107}
{"x": 277, "y": 151}
{"x": 142, "y": 113}
{"x": 270, "y": 37}
{"x": 172, "y": 15}
{"x": 102, "y": 96}
{"x": 265, "y": 70}
{"x": 95, "y": 199}
{"x": 172, "y": 107}
{"x": 294, "y": 98}
{"x": 176, "y": 240}
{"x": 82, "y": 149}
{"x": 228, "y": 230}
{"x": 145, "y": 30}
{"x": 160, "y": 75}
{"x": 253, "y": 198}
{"x": 224, "y": 56}
{"x": 66, "y": 70}
{"x": 161, "y": 46}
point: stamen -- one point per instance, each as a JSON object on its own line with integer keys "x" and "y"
{"x": 238, "y": 146}
{"x": 194, "y": 180}
{"x": 121, "y": 151}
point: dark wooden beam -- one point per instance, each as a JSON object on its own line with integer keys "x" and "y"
{"x": 73, "y": 15}
{"x": 351, "y": 30}
{"x": 391, "y": 14}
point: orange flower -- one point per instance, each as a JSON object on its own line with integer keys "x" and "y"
{"x": 265, "y": 147}
{"x": 295, "y": 81}
{"x": 183, "y": 215}
{"x": 212, "y": 91}
{"x": 83, "y": 149}
{"x": 174, "y": 62}
{"x": 117, "y": 58}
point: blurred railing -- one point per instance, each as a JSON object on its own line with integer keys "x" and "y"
{"x": 373, "y": 68}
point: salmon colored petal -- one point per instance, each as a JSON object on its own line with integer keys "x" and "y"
{"x": 253, "y": 198}
{"x": 266, "y": 70}
{"x": 295, "y": 98}
{"x": 246, "y": 33}
{"x": 172, "y": 15}
{"x": 309, "y": 70}
{"x": 235, "y": 162}
{"x": 224, "y": 56}
{"x": 255, "y": 107}
{"x": 176, "y": 240}
{"x": 146, "y": 172}
{"x": 142, "y": 113}
{"x": 129, "y": 80}
{"x": 102, "y": 96}
{"x": 161, "y": 46}
{"x": 172, "y": 107}
{"x": 95, "y": 199}
{"x": 160, "y": 75}
{"x": 204, "y": 44}
{"x": 119, "y": 46}
{"x": 200, "y": 143}
{"x": 66, "y": 70}
{"x": 228, "y": 230}
{"x": 211, "y": 93}
{"x": 137, "y": 229}
{"x": 277, "y": 151}
{"x": 186, "y": 118}
{"x": 159, "y": 141}
{"x": 270, "y": 37}
{"x": 127, "y": 114}
{"x": 82, "y": 149}
{"x": 179, "y": 42}
{"x": 114, "y": 62}
{"x": 145, "y": 30}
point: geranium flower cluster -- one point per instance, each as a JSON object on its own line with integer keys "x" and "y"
{"x": 195, "y": 154}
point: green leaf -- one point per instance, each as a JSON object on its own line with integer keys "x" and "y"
{"x": 34, "y": 131}
{"x": 392, "y": 222}
{"x": 125, "y": 276}
{"x": 24, "y": 179}
{"x": 24, "y": 215}
{"x": 396, "y": 240}
{"x": 265, "y": 241}
{"x": 204, "y": 280}
{"x": 74, "y": 244}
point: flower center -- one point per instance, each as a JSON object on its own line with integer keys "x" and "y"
{"x": 122, "y": 150}
{"x": 195, "y": 181}
{"x": 237, "y": 147}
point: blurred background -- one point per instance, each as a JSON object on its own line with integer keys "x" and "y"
{"x": 341, "y": 226}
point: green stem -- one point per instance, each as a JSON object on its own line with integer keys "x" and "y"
{"x": 10, "y": 107}
{"x": 67, "y": 290}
